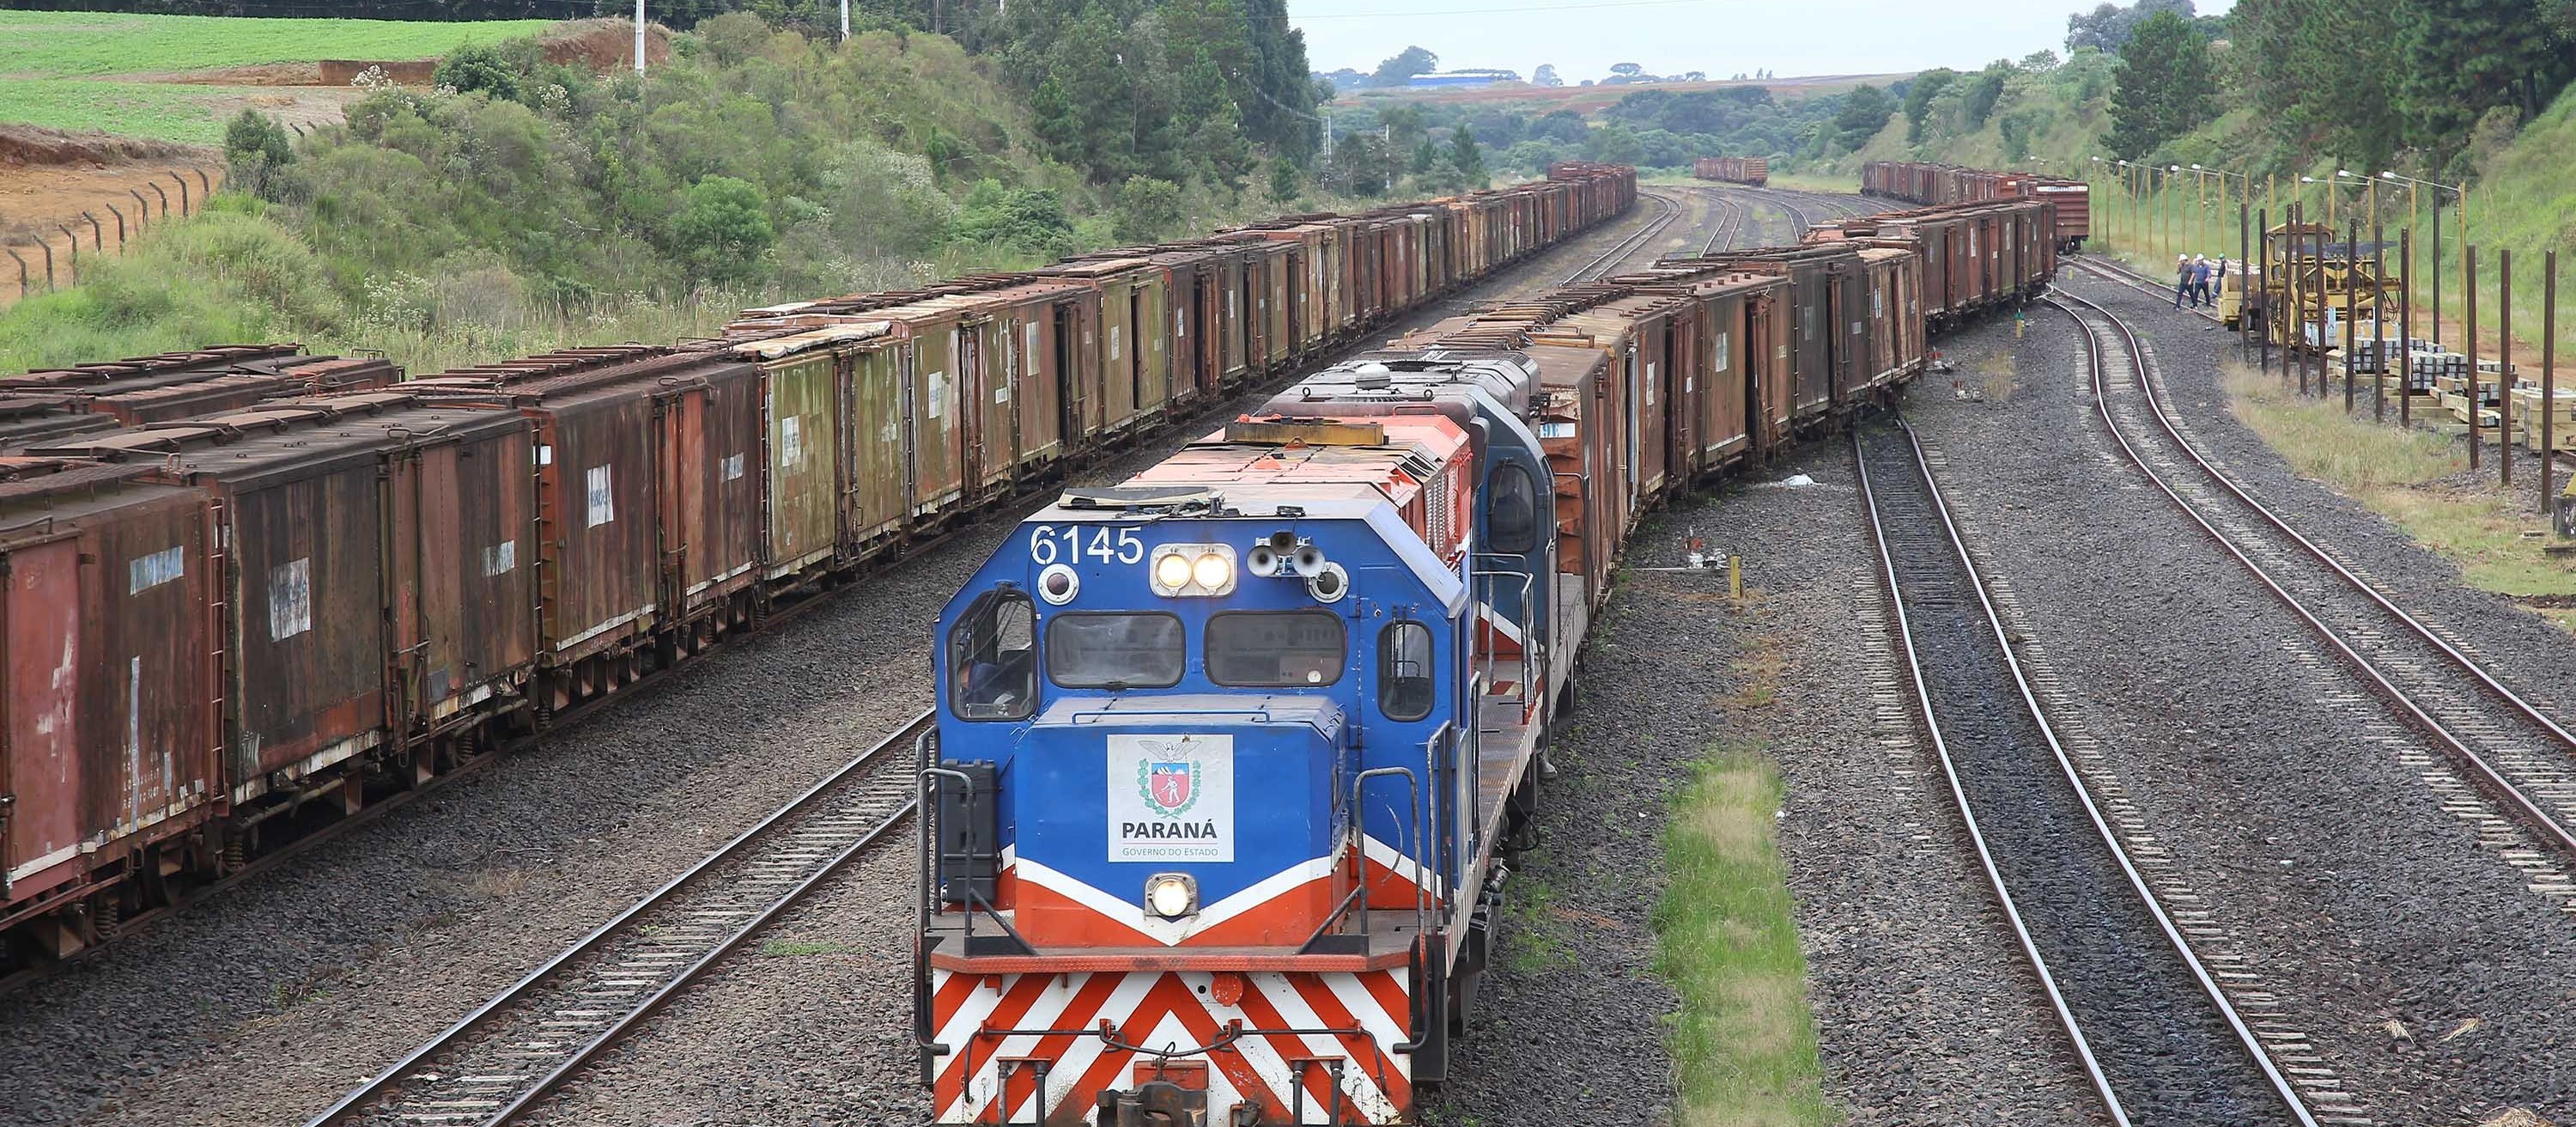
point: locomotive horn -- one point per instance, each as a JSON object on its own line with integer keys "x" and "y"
{"x": 1309, "y": 560}
{"x": 1261, "y": 560}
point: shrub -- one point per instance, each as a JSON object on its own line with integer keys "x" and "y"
{"x": 1028, "y": 221}
{"x": 1147, "y": 209}
{"x": 475, "y": 67}
{"x": 256, "y": 149}
{"x": 722, "y": 228}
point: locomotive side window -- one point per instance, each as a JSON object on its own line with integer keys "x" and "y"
{"x": 1114, "y": 651}
{"x": 1511, "y": 511}
{"x": 1276, "y": 649}
{"x": 993, "y": 658}
{"x": 1405, "y": 684}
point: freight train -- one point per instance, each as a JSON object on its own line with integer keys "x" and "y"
{"x": 1917, "y": 182}
{"x": 230, "y": 618}
{"x": 1737, "y": 170}
{"x": 1233, "y": 757}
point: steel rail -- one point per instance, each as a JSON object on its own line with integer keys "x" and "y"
{"x": 357, "y": 1103}
{"x": 2030, "y": 702}
{"x": 1357, "y": 341}
{"x": 2112, "y": 270}
{"x": 1727, "y": 227}
{"x": 1626, "y": 248}
{"x": 2482, "y": 773}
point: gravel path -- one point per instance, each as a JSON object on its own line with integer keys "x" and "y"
{"x": 265, "y": 1004}
{"x": 1925, "y": 1012}
{"x": 2427, "y": 984}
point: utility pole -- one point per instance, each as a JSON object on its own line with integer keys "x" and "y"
{"x": 639, "y": 36}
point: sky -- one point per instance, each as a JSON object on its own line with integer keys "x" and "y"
{"x": 1722, "y": 37}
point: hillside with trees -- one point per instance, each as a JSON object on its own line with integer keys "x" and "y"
{"x": 518, "y": 204}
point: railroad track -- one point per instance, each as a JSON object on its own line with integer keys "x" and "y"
{"x": 1729, "y": 224}
{"x": 2113, "y": 270}
{"x": 2521, "y": 759}
{"x": 1610, "y": 260}
{"x": 513, "y": 1051}
{"x": 2147, "y": 1021}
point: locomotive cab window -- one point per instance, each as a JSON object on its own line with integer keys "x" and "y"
{"x": 993, "y": 658}
{"x": 1276, "y": 649}
{"x": 1511, "y": 511}
{"x": 1405, "y": 684}
{"x": 1114, "y": 651}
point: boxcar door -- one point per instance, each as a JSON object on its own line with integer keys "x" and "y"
{"x": 880, "y": 444}
{"x": 802, "y": 460}
{"x": 40, "y": 623}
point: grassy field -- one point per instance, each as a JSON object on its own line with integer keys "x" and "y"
{"x": 91, "y": 44}
{"x": 162, "y": 111}
{"x": 2401, "y": 476}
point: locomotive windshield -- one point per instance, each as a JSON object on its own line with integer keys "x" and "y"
{"x": 992, "y": 659}
{"x": 1114, "y": 651}
{"x": 1275, "y": 649}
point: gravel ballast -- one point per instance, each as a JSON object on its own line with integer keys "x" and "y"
{"x": 2430, "y": 984}
{"x": 1925, "y": 1011}
{"x": 267, "y": 1002}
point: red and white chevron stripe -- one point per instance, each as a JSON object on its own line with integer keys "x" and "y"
{"x": 1353, "y": 1018}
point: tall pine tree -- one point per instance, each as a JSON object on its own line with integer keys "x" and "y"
{"x": 2163, "y": 90}
{"x": 2465, "y": 57}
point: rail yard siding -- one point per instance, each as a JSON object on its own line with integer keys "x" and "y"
{"x": 379, "y": 583}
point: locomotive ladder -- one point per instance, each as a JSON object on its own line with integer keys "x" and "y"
{"x": 497, "y": 1062}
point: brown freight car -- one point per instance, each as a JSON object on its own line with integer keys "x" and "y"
{"x": 109, "y": 750}
{"x": 411, "y": 575}
{"x": 178, "y": 385}
{"x": 1755, "y": 171}
{"x": 376, "y": 587}
{"x": 648, "y": 515}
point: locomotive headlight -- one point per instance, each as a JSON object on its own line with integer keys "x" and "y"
{"x": 1058, "y": 584}
{"x": 1213, "y": 571}
{"x": 1196, "y": 570}
{"x": 1172, "y": 895}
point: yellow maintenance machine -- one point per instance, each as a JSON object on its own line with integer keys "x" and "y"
{"x": 2316, "y": 282}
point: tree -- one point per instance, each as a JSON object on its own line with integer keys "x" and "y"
{"x": 1545, "y": 75}
{"x": 1148, "y": 209}
{"x": 1918, "y": 99}
{"x": 2108, "y": 26}
{"x": 2163, "y": 88}
{"x": 2466, "y": 57}
{"x": 1283, "y": 180}
{"x": 1469, "y": 160}
{"x": 255, "y": 149}
{"x": 1977, "y": 99}
{"x": 481, "y": 67}
{"x": 1401, "y": 69}
{"x": 1626, "y": 70}
{"x": 1425, "y": 155}
{"x": 1865, "y": 111}
{"x": 722, "y": 228}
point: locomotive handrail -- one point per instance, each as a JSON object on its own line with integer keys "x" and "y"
{"x": 1529, "y": 607}
{"x": 1359, "y": 822}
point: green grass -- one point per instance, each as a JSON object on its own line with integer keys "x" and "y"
{"x": 1744, "y": 1040}
{"x": 136, "y": 109}
{"x": 2399, "y": 475}
{"x": 85, "y": 44}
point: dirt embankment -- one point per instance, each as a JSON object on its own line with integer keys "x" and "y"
{"x": 36, "y": 145}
